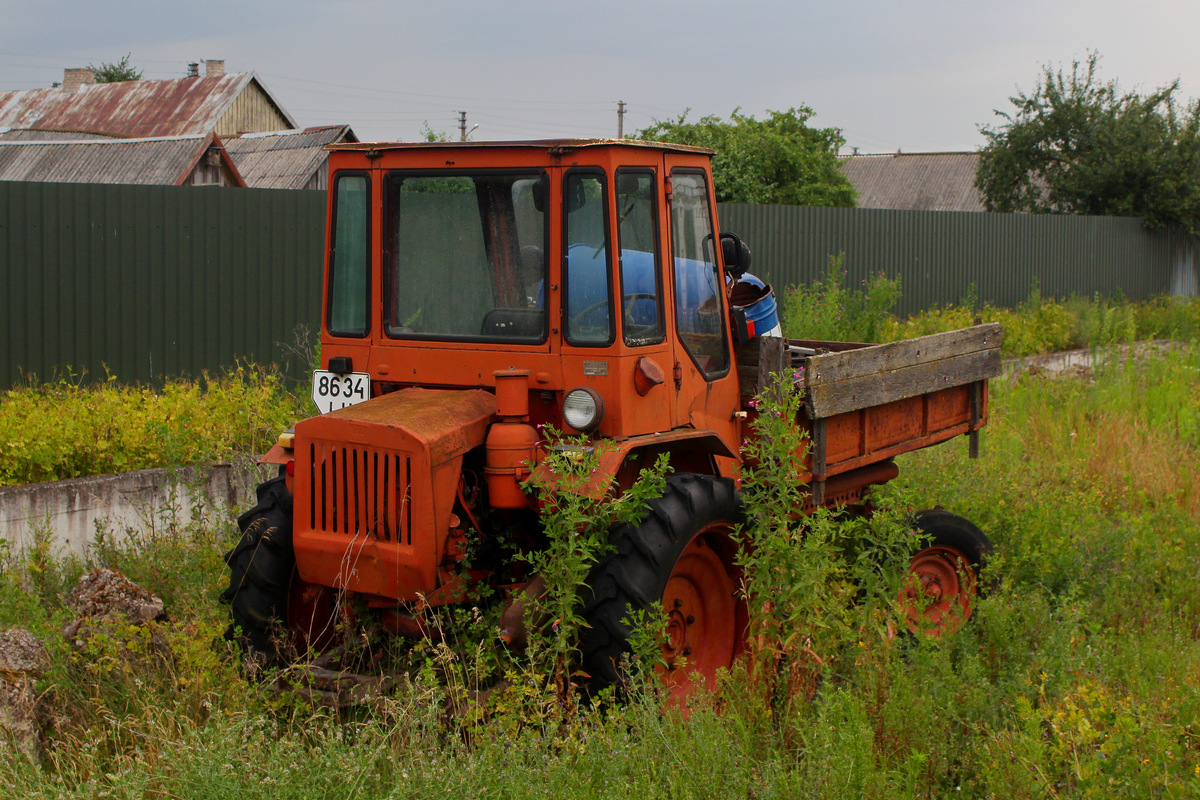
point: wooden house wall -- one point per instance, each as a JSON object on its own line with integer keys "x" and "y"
{"x": 251, "y": 112}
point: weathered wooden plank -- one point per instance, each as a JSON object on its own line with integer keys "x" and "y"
{"x": 772, "y": 359}
{"x": 828, "y": 398}
{"x": 757, "y": 359}
{"x": 882, "y": 358}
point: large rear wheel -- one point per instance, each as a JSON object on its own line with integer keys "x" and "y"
{"x": 681, "y": 557}
{"x": 943, "y": 580}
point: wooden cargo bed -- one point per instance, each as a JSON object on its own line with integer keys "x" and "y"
{"x": 865, "y": 404}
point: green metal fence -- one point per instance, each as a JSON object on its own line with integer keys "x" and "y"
{"x": 940, "y": 255}
{"x": 144, "y": 282}
{"x": 147, "y": 282}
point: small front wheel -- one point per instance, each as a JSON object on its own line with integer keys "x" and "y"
{"x": 943, "y": 579}
{"x": 272, "y": 608}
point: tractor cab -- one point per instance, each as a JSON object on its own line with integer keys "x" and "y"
{"x": 592, "y": 265}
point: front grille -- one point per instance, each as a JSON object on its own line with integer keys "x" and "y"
{"x": 359, "y": 491}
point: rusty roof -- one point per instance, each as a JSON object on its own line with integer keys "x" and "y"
{"x": 133, "y": 109}
{"x": 285, "y": 159}
{"x": 159, "y": 161}
{"x": 915, "y": 181}
{"x": 22, "y": 135}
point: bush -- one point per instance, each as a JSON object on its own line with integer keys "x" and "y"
{"x": 53, "y": 431}
{"x": 828, "y": 311}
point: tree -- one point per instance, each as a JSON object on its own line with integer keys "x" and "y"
{"x": 428, "y": 134}
{"x": 778, "y": 160}
{"x": 1080, "y": 146}
{"x": 115, "y": 73}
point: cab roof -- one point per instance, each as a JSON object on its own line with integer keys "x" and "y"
{"x": 549, "y": 145}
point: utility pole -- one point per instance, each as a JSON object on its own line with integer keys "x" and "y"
{"x": 620, "y": 119}
{"x": 462, "y": 126}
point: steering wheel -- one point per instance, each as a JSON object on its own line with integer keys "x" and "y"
{"x": 635, "y": 330}
{"x": 577, "y": 319}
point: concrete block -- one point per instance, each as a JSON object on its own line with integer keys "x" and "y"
{"x": 135, "y": 503}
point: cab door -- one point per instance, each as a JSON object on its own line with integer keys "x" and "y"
{"x": 706, "y": 384}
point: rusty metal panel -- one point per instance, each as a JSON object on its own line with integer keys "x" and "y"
{"x": 147, "y": 282}
{"x": 941, "y": 255}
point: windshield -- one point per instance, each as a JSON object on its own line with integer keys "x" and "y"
{"x": 465, "y": 256}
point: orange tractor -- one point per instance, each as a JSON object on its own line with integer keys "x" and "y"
{"x": 475, "y": 293}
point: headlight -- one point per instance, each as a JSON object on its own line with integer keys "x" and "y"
{"x": 583, "y": 408}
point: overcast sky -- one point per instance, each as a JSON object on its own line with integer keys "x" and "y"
{"x": 918, "y": 76}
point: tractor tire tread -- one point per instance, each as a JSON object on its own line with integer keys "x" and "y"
{"x": 634, "y": 575}
{"x": 260, "y": 570}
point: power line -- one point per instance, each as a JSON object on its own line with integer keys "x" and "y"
{"x": 398, "y": 93}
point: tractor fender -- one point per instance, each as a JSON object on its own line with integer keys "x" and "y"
{"x": 611, "y": 455}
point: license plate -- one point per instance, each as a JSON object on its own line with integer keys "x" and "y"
{"x": 331, "y": 390}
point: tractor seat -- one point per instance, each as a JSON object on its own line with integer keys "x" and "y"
{"x": 519, "y": 323}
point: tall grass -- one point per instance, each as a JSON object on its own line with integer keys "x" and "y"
{"x": 1077, "y": 676}
{"x": 65, "y": 428}
{"x": 1089, "y": 647}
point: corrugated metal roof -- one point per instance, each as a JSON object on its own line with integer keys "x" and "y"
{"x": 7, "y": 135}
{"x": 284, "y": 160}
{"x": 134, "y": 109}
{"x": 160, "y": 161}
{"x": 915, "y": 181}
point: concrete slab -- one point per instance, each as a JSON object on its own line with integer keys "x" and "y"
{"x": 131, "y": 503}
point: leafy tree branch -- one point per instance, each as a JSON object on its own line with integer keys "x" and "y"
{"x": 778, "y": 160}
{"x": 1078, "y": 145}
{"x": 118, "y": 72}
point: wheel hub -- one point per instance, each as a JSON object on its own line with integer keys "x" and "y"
{"x": 939, "y": 591}
{"x": 701, "y": 606}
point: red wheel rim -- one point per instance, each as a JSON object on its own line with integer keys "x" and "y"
{"x": 311, "y": 616}
{"x": 705, "y": 615}
{"x": 939, "y": 591}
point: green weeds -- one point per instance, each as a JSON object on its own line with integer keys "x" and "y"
{"x": 64, "y": 429}
{"x": 827, "y": 310}
{"x": 577, "y": 515}
{"x": 821, "y": 589}
{"x": 1075, "y": 678}
{"x": 1043, "y": 325}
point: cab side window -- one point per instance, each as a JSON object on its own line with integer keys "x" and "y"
{"x": 699, "y": 297}
{"x": 641, "y": 274}
{"x": 348, "y": 262}
{"x": 588, "y": 306}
